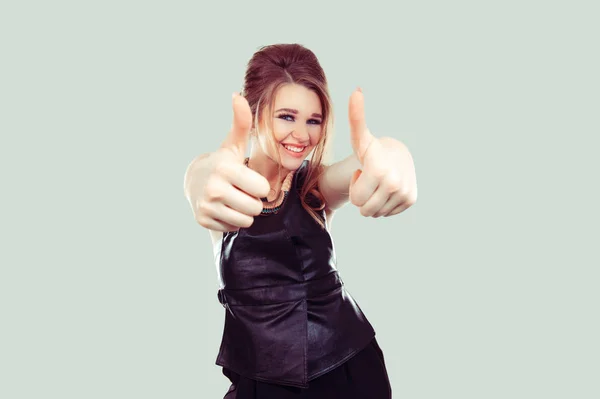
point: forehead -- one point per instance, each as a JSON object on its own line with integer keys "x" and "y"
{"x": 298, "y": 97}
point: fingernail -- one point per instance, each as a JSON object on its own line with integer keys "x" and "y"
{"x": 359, "y": 89}
{"x": 234, "y": 94}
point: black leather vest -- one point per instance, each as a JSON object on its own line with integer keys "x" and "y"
{"x": 289, "y": 318}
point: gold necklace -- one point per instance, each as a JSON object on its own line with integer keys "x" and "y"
{"x": 274, "y": 205}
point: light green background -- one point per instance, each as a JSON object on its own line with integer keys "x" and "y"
{"x": 486, "y": 288}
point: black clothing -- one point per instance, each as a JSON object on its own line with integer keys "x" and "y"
{"x": 364, "y": 376}
{"x": 289, "y": 318}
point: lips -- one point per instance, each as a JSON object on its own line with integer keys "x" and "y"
{"x": 294, "y": 153}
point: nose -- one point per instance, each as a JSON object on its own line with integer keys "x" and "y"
{"x": 301, "y": 134}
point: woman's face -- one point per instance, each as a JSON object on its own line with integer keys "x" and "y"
{"x": 297, "y": 125}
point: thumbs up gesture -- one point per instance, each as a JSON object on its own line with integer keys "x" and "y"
{"x": 387, "y": 183}
{"x": 225, "y": 194}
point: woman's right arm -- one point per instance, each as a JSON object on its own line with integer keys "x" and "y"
{"x": 223, "y": 193}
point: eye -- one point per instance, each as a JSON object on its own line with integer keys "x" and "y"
{"x": 290, "y": 118}
{"x": 286, "y": 116}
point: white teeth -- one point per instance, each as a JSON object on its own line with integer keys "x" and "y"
{"x": 294, "y": 149}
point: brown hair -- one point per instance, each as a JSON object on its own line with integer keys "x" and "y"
{"x": 270, "y": 68}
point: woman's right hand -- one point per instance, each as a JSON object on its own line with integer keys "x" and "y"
{"x": 225, "y": 194}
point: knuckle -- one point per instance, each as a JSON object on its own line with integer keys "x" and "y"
{"x": 402, "y": 194}
{"x": 257, "y": 209}
{"x": 221, "y": 168}
{"x": 379, "y": 173}
{"x": 202, "y": 220}
{"x": 264, "y": 187}
{"x": 213, "y": 190}
{"x": 405, "y": 195}
{"x": 392, "y": 213}
{"x": 394, "y": 186}
{"x": 203, "y": 209}
{"x": 248, "y": 221}
{"x": 353, "y": 199}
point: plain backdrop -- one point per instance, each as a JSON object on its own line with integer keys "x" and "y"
{"x": 486, "y": 288}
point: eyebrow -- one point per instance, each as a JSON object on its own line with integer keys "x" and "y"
{"x": 295, "y": 112}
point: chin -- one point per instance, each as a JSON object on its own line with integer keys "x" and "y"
{"x": 292, "y": 165}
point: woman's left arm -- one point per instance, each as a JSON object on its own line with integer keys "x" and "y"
{"x": 379, "y": 177}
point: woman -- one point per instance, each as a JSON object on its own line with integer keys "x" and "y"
{"x": 291, "y": 328}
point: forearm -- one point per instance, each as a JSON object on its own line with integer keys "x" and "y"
{"x": 334, "y": 183}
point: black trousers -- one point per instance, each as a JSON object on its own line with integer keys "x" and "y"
{"x": 363, "y": 376}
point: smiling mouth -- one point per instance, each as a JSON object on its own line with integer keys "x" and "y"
{"x": 294, "y": 149}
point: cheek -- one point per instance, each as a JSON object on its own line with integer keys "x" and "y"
{"x": 315, "y": 135}
{"x": 270, "y": 147}
{"x": 281, "y": 129}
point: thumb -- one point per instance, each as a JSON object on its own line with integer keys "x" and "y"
{"x": 237, "y": 139}
{"x": 360, "y": 135}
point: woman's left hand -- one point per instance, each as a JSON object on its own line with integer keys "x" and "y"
{"x": 387, "y": 183}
